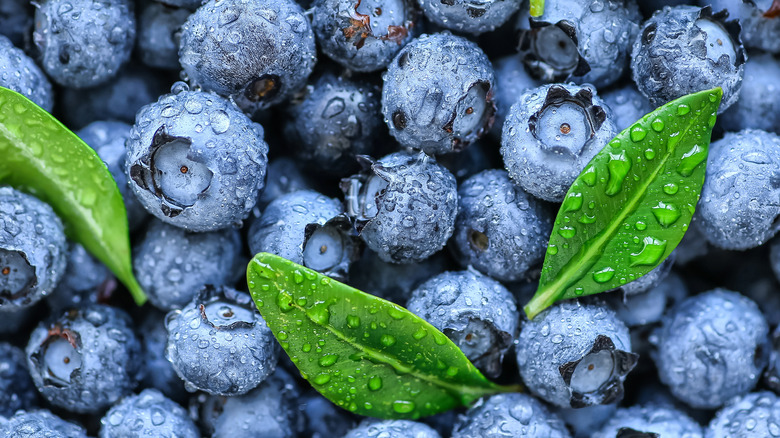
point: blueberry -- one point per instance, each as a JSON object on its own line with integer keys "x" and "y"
{"x": 650, "y": 420}
{"x": 158, "y": 373}
{"x": 513, "y": 414}
{"x": 19, "y": 73}
{"x": 86, "y": 359}
{"x": 86, "y": 280}
{"x": 118, "y": 99}
{"x": 39, "y": 424}
{"x": 685, "y": 49}
{"x": 469, "y": 16}
{"x": 108, "y": 140}
{"x": 712, "y": 347}
{"x": 147, "y": 414}
{"x": 648, "y": 307}
{"x": 17, "y": 390}
{"x": 16, "y": 22}
{"x": 476, "y": 312}
{"x": 83, "y": 43}
{"x": 438, "y": 94}
{"x": 220, "y": 344}
{"x": 323, "y": 418}
{"x": 737, "y": 210}
{"x": 338, "y": 119}
{"x": 584, "y": 422}
{"x": 172, "y": 265}
{"x": 404, "y": 206}
{"x": 363, "y": 35}
{"x": 627, "y": 104}
{"x": 258, "y": 52}
{"x": 512, "y": 80}
{"x": 585, "y": 41}
{"x": 575, "y": 355}
{"x": 159, "y": 34}
{"x": 309, "y": 229}
{"x": 500, "y": 230}
{"x": 283, "y": 176}
{"x": 752, "y": 415}
{"x": 757, "y": 106}
{"x": 760, "y": 29}
{"x": 391, "y": 281}
{"x": 550, "y": 134}
{"x": 195, "y": 161}
{"x": 32, "y": 250}
{"x": 468, "y": 162}
{"x": 392, "y": 429}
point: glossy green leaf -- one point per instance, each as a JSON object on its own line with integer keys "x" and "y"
{"x": 631, "y": 205}
{"x": 363, "y": 353}
{"x": 537, "y": 8}
{"x": 41, "y": 156}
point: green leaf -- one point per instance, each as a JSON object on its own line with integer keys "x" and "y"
{"x": 365, "y": 354}
{"x": 537, "y": 8}
{"x": 631, "y": 205}
{"x": 44, "y": 158}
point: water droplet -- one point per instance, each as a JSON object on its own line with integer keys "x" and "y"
{"x": 319, "y": 314}
{"x": 403, "y": 406}
{"x": 387, "y": 340}
{"x": 649, "y": 153}
{"x": 298, "y": 277}
{"x": 328, "y": 360}
{"x": 666, "y": 214}
{"x": 691, "y": 159}
{"x": 220, "y": 122}
{"x": 552, "y": 249}
{"x": 618, "y": 166}
{"x": 589, "y": 176}
{"x": 439, "y": 338}
{"x": 603, "y": 275}
{"x": 306, "y": 348}
{"x": 641, "y": 226}
{"x": 567, "y": 232}
{"x": 713, "y": 97}
{"x": 657, "y": 125}
{"x": 322, "y": 379}
{"x": 579, "y": 291}
{"x": 670, "y": 189}
{"x": 353, "y": 321}
{"x": 637, "y": 133}
{"x": 452, "y": 371}
{"x": 573, "y": 202}
{"x": 395, "y": 313}
{"x": 375, "y": 383}
{"x": 587, "y": 219}
{"x": 284, "y": 302}
{"x": 651, "y": 252}
{"x": 683, "y": 109}
{"x": 420, "y": 333}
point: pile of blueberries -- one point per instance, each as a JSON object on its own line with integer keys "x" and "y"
{"x": 417, "y": 150}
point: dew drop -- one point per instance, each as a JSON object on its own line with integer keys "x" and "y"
{"x": 649, "y": 153}
{"x": 691, "y": 159}
{"x": 637, "y": 133}
{"x": 298, "y": 277}
{"x": 573, "y": 202}
{"x": 641, "y": 226}
{"x": 657, "y": 125}
{"x": 395, "y": 313}
{"x": 306, "y": 348}
{"x": 587, "y": 219}
{"x": 387, "y": 340}
{"x": 375, "y": 383}
{"x": 589, "y": 176}
{"x": 420, "y": 333}
{"x": 683, "y": 109}
{"x": 670, "y": 189}
{"x": 603, "y": 275}
{"x": 579, "y": 291}
{"x": 403, "y": 406}
{"x": 353, "y": 321}
{"x": 552, "y": 249}
{"x": 652, "y": 251}
{"x": 618, "y": 167}
{"x": 567, "y": 232}
{"x": 284, "y": 302}
{"x": 322, "y": 379}
{"x": 666, "y": 214}
{"x": 319, "y": 314}
{"x": 328, "y": 360}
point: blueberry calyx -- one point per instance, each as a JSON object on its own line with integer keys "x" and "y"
{"x": 339, "y": 228}
{"x": 10, "y": 289}
{"x": 773, "y": 11}
{"x": 359, "y": 29}
{"x": 211, "y": 295}
{"x": 266, "y": 87}
{"x": 56, "y": 333}
{"x": 557, "y": 95}
{"x": 732, "y": 28}
{"x": 534, "y": 44}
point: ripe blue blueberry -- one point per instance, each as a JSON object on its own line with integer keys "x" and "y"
{"x": 17, "y": 390}
{"x": 476, "y": 312}
{"x": 648, "y": 307}
{"x": 283, "y": 176}
{"x": 584, "y": 422}
{"x": 32, "y": 250}
{"x": 18, "y": 72}
{"x": 550, "y": 134}
{"x": 737, "y": 209}
{"x": 392, "y": 429}
{"x": 196, "y": 161}
{"x": 468, "y": 162}
{"x": 363, "y": 35}
{"x": 469, "y": 16}
{"x": 712, "y": 347}
{"x": 158, "y": 373}
{"x": 147, "y": 414}
{"x": 86, "y": 280}
{"x": 627, "y": 104}
{"x": 513, "y": 414}
{"x": 757, "y": 106}
{"x": 584, "y": 41}
{"x": 158, "y": 35}
{"x": 83, "y": 43}
{"x": 220, "y": 344}
{"x": 685, "y": 49}
{"x": 650, "y": 420}
{"x": 39, "y": 424}
{"x": 575, "y": 355}
{"x": 500, "y": 230}
{"x": 438, "y": 94}
{"x": 404, "y": 206}
{"x": 754, "y": 415}
{"x": 86, "y": 359}
{"x": 323, "y": 419}
{"x": 259, "y": 52}
{"x": 309, "y": 229}
{"x": 338, "y": 119}
{"x": 760, "y": 28}
{"x": 16, "y": 21}
{"x": 512, "y": 80}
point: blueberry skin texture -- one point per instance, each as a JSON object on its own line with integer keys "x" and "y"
{"x": 753, "y": 415}
{"x": 86, "y": 45}
{"x": 147, "y": 414}
{"x": 323, "y": 418}
{"x": 158, "y": 35}
{"x": 158, "y": 372}
{"x": 220, "y": 344}
{"x": 671, "y": 57}
{"x": 288, "y": 223}
{"x": 469, "y": 16}
{"x": 438, "y": 94}
{"x": 648, "y": 307}
{"x": 737, "y": 210}
{"x": 476, "y": 312}
{"x": 584, "y": 422}
{"x": 392, "y": 429}
{"x": 16, "y": 22}
{"x": 511, "y": 414}
{"x": 363, "y": 36}
{"x": 536, "y": 159}
{"x": 338, "y": 119}
{"x": 512, "y": 80}
{"x": 283, "y": 176}
{"x": 17, "y": 391}
{"x": 500, "y": 230}
{"x": 665, "y": 422}
{"x": 39, "y": 424}
{"x": 627, "y": 104}
{"x": 552, "y": 345}
{"x": 583, "y": 41}
{"x": 711, "y": 347}
{"x": 33, "y": 250}
{"x": 259, "y": 52}
{"x": 757, "y": 106}
{"x": 206, "y": 140}
{"x": 118, "y": 99}
{"x": 86, "y": 279}
{"x": 758, "y": 31}
{"x": 104, "y": 358}
{"x": 172, "y": 265}
{"x": 19, "y": 72}
{"x": 108, "y": 139}
{"x": 412, "y": 214}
